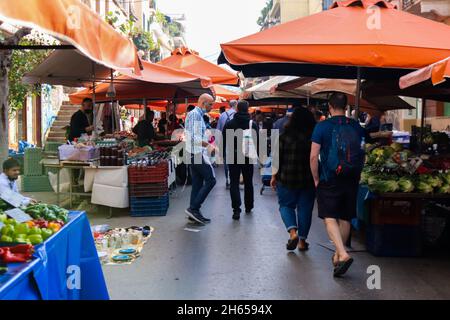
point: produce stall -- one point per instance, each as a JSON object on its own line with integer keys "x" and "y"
{"x": 397, "y": 185}
{"x": 117, "y": 174}
{"x": 48, "y": 253}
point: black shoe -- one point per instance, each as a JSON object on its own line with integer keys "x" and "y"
{"x": 248, "y": 211}
{"x": 205, "y": 220}
{"x": 236, "y": 215}
{"x": 227, "y": 185}
{"x": 195, "y": 215}
{"x": 194, "y": 221}
{"x": 292, "y": 244}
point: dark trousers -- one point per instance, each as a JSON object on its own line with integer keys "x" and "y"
{"x": 247, "y": 173}
{"x": 203, "y": 181}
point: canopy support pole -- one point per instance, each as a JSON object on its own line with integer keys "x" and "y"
{"x": 94, "y": 111}
{"x": 113, "y": 112}
{"x": 422, "y": 123}
{"x": 144, "y": 103}
{"x": 358, "y": 92}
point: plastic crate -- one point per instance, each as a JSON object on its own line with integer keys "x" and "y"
{"x": 51, "y": 146}
{"x": 149, "y": 174}
{"x": 147, "y": 207}
{"x": 400, "y": 211}
{"x": 32, "y": 162}
{"x": 148, "y": 189}
{"x": 36, "y": 184}
{"x": 394, "y": 240}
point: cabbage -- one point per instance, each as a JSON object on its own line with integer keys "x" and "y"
{"x": 364, "y": 177}
{"x": 434, "y": 181}
{"x": 381, "y": 186}
{"x": 424, "y": 187}
{"x": 444, "y": 189}
{"x": 405, "y": 185}
{"x": 388, "y": 152}
{"x": 445, "y": 177}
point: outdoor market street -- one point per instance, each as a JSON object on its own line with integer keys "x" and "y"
{"x": 248, "y": 259}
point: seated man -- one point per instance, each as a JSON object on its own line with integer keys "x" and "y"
{"x": 9, "y": 176}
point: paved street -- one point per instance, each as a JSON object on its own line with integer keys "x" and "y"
{"x": 248, "y": 260}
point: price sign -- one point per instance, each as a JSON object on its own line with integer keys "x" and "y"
{"x": 13, "y": 198}
{"x": 18, "y": 215}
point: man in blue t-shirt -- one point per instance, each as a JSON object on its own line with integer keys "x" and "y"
{"x": 336, "y": 196}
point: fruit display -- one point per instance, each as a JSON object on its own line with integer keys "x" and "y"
{"x": 18, "y": 253}
{"x": 392, "y": 169}
{"x": 47, "y": 220}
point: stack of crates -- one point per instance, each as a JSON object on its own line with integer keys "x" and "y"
{"x": 395, "y": 227}
{"x": 34, "y": 179}
{"x": 148, "y": 190}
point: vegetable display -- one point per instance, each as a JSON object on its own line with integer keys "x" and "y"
{"x": 47, "y": 220}
{"x": 392, "y": 169}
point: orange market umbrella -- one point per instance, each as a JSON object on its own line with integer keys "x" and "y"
{"x": 73, "y": 22}
{"x": 436, "y": 73}
{"x": 190, "y": 61}
{"x": 369, "y": 37}
{"x": 156, "y": 82}
{"x": 222, "y": 92}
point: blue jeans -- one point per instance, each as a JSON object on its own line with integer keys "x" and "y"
{"x": 203, "y": 181}
{"x": 296, "y": 206}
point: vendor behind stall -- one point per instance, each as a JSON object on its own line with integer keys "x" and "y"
{"x": 79, "y": 123}
{"x": 9, "y": 176}
{"x": 376, "y": 129}
{"x": 144, "y": 129}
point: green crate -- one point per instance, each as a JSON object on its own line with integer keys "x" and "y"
{"x": 36, "y": 184}
{"x": 32, "y": 163}
{"x": 52, "y": 146}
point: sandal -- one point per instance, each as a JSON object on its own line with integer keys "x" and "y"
{"x": 292, "y": 244}
{"x": 342, "y": 267}
{"x": 333, "y": 260}
{"x": 305, "y": 248}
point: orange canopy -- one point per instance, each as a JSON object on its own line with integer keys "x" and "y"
{"x": 224, "y": 93}
{"x": 190, "y": 61}
{"x": 370, "y": 34}
{"x": 437, "y": 73}
{"x": 72, "y": 21}
{"x": 155, "y": 82}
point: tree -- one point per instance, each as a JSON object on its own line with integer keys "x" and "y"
{"x": 264, "y": 12}
{"x": 5, "y": 67}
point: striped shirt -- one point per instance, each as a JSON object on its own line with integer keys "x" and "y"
{"x": 195, "y": 129}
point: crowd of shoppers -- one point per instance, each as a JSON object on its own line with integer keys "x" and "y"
{"x": 319, "y": 160}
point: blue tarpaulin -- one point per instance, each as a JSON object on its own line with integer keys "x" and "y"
{"x": 66, "y": 267}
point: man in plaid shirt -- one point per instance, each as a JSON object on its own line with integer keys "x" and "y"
{"x": 197, "y": 146}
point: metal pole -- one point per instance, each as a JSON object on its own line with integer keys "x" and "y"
{"x": 113, "y": 115}
{"x": 422, "y": 123}
{"x": 94, "y": 120}
{"x": 358, "y": 93}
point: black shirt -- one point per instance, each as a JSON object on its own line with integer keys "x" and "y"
{"x": 239, "y": 121}
{"x": 162, "y": 126}
{"x": 145, "y": 132}
{"x": 78, "y": 123}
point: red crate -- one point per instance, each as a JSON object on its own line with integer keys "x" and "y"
{"x": 158, "y": 173}
{"x": 148, "y": 190}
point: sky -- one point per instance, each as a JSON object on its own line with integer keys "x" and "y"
{"x": 211, "y": 22}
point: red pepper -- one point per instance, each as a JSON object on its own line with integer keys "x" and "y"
{"x": 20, "y": 253}
{"x": 22, "y": 248}
{"x": 422, "y": 170}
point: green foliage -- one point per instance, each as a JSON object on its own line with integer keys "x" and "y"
{"x": 264, "y": 12}
{"x": 175, "y": 29}
{"x": 143, "y": 40}
{"x": 23, "y": 61}
{"x": 161, "y": 18}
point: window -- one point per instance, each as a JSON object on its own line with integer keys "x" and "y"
{"x": 326, "y": 4}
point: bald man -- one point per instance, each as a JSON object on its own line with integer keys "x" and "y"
{"x": 202, "y": 172}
